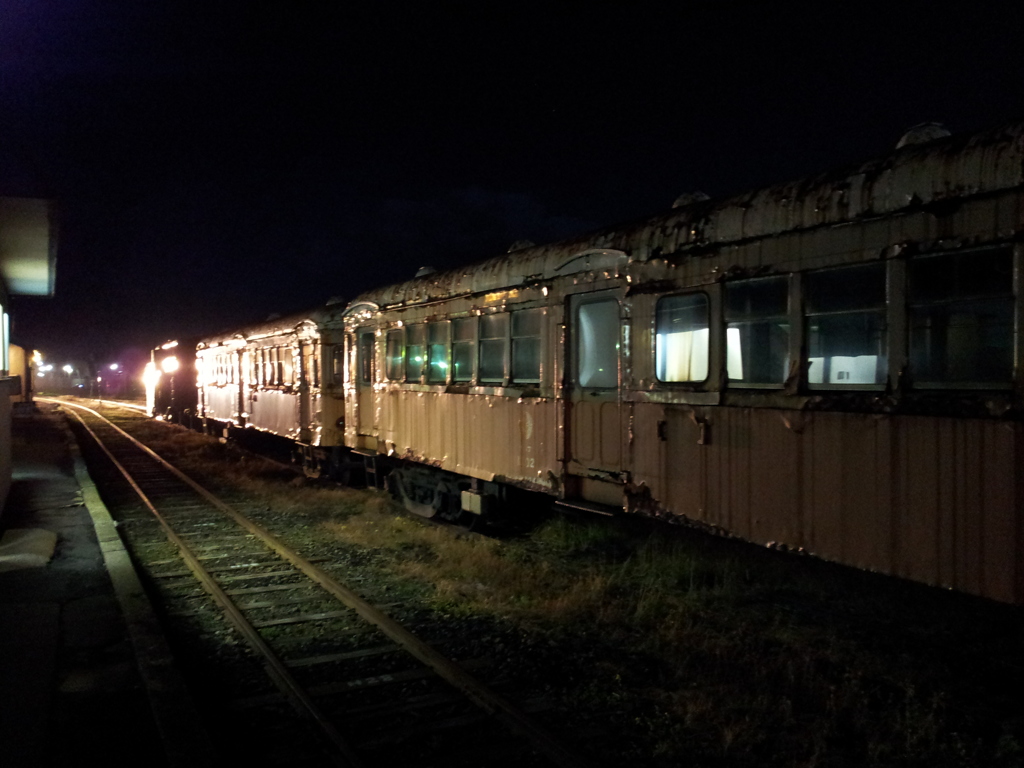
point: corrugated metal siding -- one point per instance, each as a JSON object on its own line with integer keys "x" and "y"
{"x": 275, "y": 411}
{"x": 930, "y": 499}
{"x": 479, "y": 436}
{"x": 221, "y": 403}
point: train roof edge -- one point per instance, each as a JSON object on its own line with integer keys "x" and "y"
{"x": 914, "y": 176}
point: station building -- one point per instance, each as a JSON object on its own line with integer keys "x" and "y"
{"x": 28, "y": 259}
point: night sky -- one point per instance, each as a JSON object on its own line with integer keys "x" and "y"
{"x": 218, "y": 162}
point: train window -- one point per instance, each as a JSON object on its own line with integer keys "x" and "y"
{"x": 526, "y": 328}
{"x": 288, "y": 357}
{"x": 682, "y": 339}
{"x": 597, "y": 346}
{"x": 278, "y": 373}
{"x": 846, "y": 325}
{"x": 437, "y": 352}
{"x": 393, "y": 364}
{"x": 757, "y": 330}
{"x": 415, "y": 352}
{"x": 366, "y": 350}
{"x": 338, "y": 364}
{"x": 493, "y": 343}
{"x": 961, "y": 317}
{"x": 463, "y": 348}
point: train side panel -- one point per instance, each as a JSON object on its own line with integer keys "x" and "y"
{"x": 931, "y": 499}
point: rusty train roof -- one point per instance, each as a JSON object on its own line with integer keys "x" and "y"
{"x": 909, "y": 178}
{"x": 273, "y": 326}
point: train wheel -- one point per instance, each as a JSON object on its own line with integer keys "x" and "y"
{"x": 416, "y": 497}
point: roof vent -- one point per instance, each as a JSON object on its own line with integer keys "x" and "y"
{"x": 519, "y": 245}
{"x": 689, "y": 198}
{"x": 424, "y": 271}
{"x": 922, "y": 134}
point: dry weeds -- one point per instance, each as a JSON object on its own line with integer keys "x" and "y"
{"x": 700, "y": 650}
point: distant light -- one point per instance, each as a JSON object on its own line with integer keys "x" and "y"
{"x": 99, "y": 379}
{"x": 46, "y": 368}
{"x": 150, "y": 376}
{"x": 114, "y": 366}
{"x": 169, "y": 345}
{"x": 69, "y": 369}
{"x": 40, "y": 375}
{"x": 169, "y": 364}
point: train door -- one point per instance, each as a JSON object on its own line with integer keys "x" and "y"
{"x": 594, "y": 419}
{"x": 307, "y": 390}
{"x": 366, "y": 370}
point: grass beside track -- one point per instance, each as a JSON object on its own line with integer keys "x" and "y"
{"x": 676, "y": 648}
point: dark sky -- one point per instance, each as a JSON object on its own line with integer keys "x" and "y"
{"x": 216, "y": 162}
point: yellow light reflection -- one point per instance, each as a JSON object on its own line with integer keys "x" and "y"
{"x": 150, "y": 376}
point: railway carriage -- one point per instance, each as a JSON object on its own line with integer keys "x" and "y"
{"x": 170, "y": 379}
{"x": 833, "y": 365}
{"x": 283, "y": 378}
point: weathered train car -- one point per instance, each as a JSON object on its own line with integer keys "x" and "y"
{"x": 282, "y": 377}
{"x": 171, "y": 388}
{"x": 832, "y": 364}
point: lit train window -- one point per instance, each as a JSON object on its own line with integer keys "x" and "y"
{"x": 415, "y": 351}
{"x": 846, "y": 326}
{"x": 437, "y": 352}
{"x": 288, "y": 365}
{"x": 366, "y": 350}
{"x": 393, "y": 363}
{"x": 682, "y": 338}
{"x": 757, "y": 330}
{"x": 526, "y": 328}
{"x": 597, "y": 344}
{"x": 961, "y": 318}
{"x": 463, "y": 348}
{"x": 493, "y": 343}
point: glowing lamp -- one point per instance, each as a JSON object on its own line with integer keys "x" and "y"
{"x": 69, "y": 370}
{"x": 150, "y": 376}
{"x": 169, "y": 364}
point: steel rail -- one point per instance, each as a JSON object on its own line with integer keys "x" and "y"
{"x": 276, "y": 669}
{"x": 489, "y": 701}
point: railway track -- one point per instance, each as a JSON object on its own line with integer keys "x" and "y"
{"x": 307, "y": 672}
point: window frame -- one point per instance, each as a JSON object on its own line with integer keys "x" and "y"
{"x": 883, "y": 311}
{"x": 421, "y": 328}
{"x": 506, "y": 345}
{"x": 390, "y": 366}
{"x": 1010, "y": 296}
{"x": 444, "y": 326}
{"x": 472, "y": 321}
{"x": 541, "y": 314}
{"x": 787, "y": 314}
{"x": 711, "y": 341}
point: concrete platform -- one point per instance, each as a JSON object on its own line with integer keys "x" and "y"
{"x": 84, "y": 672}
